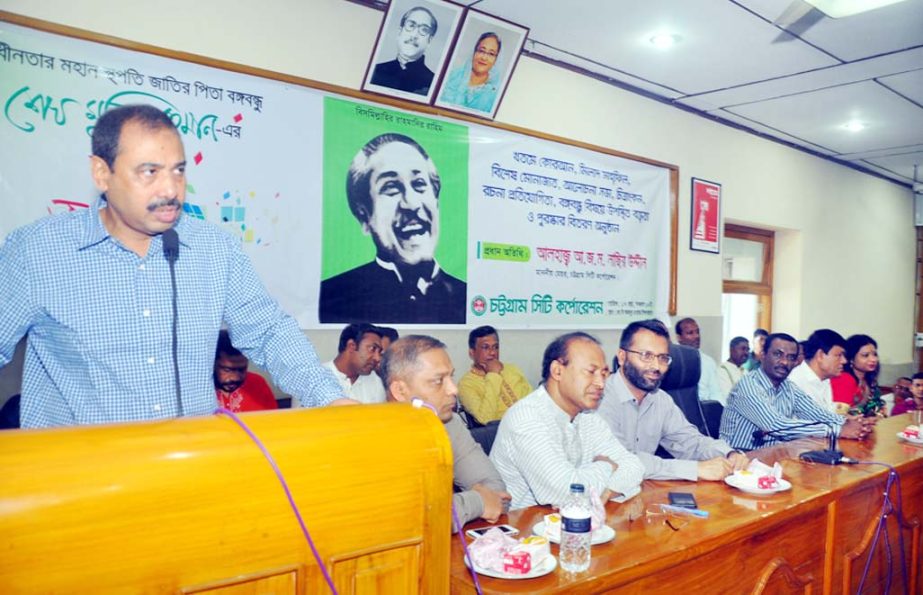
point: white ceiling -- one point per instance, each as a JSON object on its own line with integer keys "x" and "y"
{"x": 733, "y": 64}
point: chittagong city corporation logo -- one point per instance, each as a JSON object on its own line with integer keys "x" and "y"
{"x": 478, "y": 305}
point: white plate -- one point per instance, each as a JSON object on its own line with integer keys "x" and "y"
{"x": 909, "y": 439}
{"x": 602, "y": 535}
{"x": 548, "y": 565}
{"x": 783, "y": 486}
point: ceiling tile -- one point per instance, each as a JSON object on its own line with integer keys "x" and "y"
{"x": 901, "y": 164}
{"x": 891, "y": 120}
{"x": 538, "y": 49}
{"x": 772, "y": 132}
{"x": 908, "y": 84}
{"x": 817, "y": 79}
{"x": 883, "y": 30}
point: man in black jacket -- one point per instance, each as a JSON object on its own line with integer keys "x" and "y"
{"x": 393, "y": 191}
{"x": 408, "y": 72}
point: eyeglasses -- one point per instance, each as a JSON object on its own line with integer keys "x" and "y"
{"x": 779, "y": 354}
{"x": 648, "y": 357}
{"x": 486, "y": 53}
{"x": 415, "y": 27}
{"x": 655, "y": 515}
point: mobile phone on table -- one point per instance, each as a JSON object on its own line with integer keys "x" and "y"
{"x": 508, "y": 529}
{"x": 683, "y": 500}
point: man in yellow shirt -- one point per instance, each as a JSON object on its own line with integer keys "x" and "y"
{"x": 490, "y": 387}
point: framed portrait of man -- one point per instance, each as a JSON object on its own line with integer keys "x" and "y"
{"x": 414, "y": 40}
{"x": 395, "y": 217}
{"x": 481, "y": 64}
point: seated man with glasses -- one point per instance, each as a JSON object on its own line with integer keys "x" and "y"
{"x": 765, "y": 406}
{"x": 408, "y": 72}
{"x": 553, "y": 437}
{"x": 644, "y": 417}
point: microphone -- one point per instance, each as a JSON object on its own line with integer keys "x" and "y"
{"x": 828, "y": 456}
{"x": 170, "y": 240}
{"x": 760, "y": 435}
{"x": 419, "y": 403}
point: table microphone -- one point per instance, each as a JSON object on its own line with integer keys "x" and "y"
{"x": 828, "y": 456}
{"x": 170, "y": 241}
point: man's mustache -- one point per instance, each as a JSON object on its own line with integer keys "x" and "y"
{"x": 419, "y": 216}
{"x": 163, "y": 202}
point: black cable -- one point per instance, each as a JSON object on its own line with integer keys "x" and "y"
{"x": 887, "y": 508}
{"x": 170, "y": 241}
{"x": 179, "y": 397}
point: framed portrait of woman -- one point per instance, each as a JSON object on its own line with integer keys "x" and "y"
{"x": 481, "y": 64}
{"x": 414, "y": 40}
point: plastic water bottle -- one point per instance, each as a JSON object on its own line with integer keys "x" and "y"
{"x": 575, "y": 530}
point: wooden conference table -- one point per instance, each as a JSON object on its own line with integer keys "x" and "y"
{"x": 814, "y": 538}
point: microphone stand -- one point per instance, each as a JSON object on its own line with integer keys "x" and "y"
{"x": 170, "y": 241}
{"x": 830, "y": 456}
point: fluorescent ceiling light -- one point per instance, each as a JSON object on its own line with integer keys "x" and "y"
{"x": 664, "y": 40}
{"x": 845, "y": 8}
{"x": 854, "y": 126}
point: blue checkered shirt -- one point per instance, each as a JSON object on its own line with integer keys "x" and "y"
{"x": 99, "y": 322}
{"x": 755, "y": 404}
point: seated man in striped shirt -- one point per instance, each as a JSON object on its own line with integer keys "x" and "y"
{"x": 766, "y": 406}
{"x": 553, "y": 437}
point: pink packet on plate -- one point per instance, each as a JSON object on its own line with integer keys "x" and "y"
{"x": 487, "y": 551}
{"x": 516, "y": 562}
{"x": 598, "y": 515}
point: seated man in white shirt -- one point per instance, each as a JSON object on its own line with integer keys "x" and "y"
{"x": 388, "y": 335}
{"x": 644, "y": 417}
{"x": 554, "y": 437}
{"x": 355, "y": 364}
{"x": 825, "y": 356}
{"x": 687, "y": 333}
{"x": 730, "y": 371}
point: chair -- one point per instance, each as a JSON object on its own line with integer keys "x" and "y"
{"x": 682, "y": 383}
{"x": 466, "y": 416}
{"x": 485, "y": 435}
{"x": 9, "y": 414}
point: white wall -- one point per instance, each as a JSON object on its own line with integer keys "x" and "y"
{"x": 846, "y": 248}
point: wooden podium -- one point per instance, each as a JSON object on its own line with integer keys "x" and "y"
{"x": 192, "y": 506}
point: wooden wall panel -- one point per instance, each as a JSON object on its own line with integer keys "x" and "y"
{"x": 738, "y": 566}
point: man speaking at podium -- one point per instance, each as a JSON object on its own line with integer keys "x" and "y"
{"x": 116, "y": 331}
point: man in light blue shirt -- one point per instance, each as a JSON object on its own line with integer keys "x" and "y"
{"x": 644, "y": 417}
{"x": 92, "y": 291}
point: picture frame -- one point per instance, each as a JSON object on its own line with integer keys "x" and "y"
{"x": 486, "y": 46}
{"x": 405, "y": 63}
{"x": 705, "y": 216}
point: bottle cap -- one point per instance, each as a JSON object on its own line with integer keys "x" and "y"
{"x": 576, "y": 487}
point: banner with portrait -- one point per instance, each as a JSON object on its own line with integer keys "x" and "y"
{"x": 442, "y": 221}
